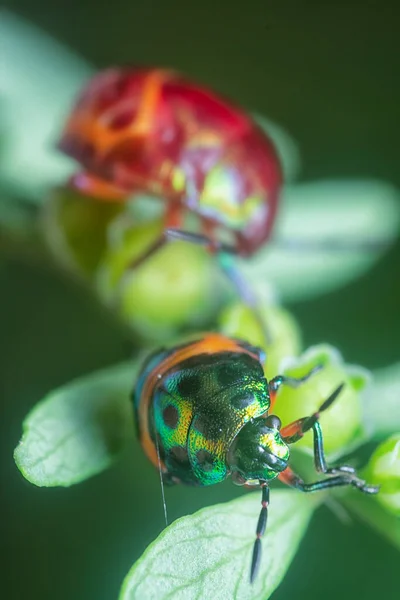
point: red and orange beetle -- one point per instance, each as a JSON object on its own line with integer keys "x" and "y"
{"x": 152, "y": 131}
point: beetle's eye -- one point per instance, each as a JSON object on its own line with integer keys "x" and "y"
{"x": 273, "y": 421}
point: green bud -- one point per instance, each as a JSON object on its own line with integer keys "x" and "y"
{"x": 384, "y": 469}
{"x": 75, "y": 228}
{"x": 342, "y": 423}
{"x": 238, "y": 320}
{"x": 175, "y": 288}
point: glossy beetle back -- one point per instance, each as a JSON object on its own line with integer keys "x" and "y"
{"x": 153, "y": 131}
{"x": 198, "y": 405}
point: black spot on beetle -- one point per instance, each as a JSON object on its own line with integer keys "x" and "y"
{"x": 189, "y": 385}
{"x": 241, "y": 400}
{"x": 227, "y": 374}
{"x": 205, "y": 460}
{"x": 178, "y": 455}
{"x": 200, "y": 424}
{"x": 171, "y": 416}
{"x": 208, "y": 427}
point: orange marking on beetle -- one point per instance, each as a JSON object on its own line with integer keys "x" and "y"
{"x": 273, "y": 396}
{"x": 150, "y": 98}
{"x": 292, "y": 428}
{"x": 210, "y": 344}
{"x": 84, "y": 125}
{"x": 287, "y": 476}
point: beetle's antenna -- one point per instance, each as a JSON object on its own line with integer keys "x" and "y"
{"x": 261, "y": 525}
{"x": 162, "y": 482}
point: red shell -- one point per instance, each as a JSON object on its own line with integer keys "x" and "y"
{"x": 153, "y": 131}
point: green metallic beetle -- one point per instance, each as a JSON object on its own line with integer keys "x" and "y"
{"x": 202, "y": 414}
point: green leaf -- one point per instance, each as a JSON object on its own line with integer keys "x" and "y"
{"x": 371, "y": 512}
{"x": 383, "y": 469}
{"x": 238, "y": 320}
{"x": 347, "y": 213}
{"x": 40, "y": 79}
{"x": 382, "y": 407}
{"x": 75, "y": 229}
{"x": 208, "y": 555}
{"x": 79, "y": 429}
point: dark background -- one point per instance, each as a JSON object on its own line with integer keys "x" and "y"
{"x": 329, "y": 73}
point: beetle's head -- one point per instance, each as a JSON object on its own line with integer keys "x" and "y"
{"x": 258, "y": 452}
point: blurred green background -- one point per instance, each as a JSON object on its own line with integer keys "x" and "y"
{"x": 327, "y": 72}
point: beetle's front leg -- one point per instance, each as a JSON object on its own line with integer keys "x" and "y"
{"x": 289, "y": 477}
{"x": 275, "y": 383}
{"x": 172, "y": 220}
{"x": 344, "y": 474}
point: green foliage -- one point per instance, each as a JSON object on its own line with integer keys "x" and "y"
{"x": 75, "y": 229}
{"x": 77, "y": 430}
{"x": 82, "y": 428}
{"x": 238, "y": 320}
{"x": 208, "y": 554}
{"x": 180, "y": 286}
{"x": 180, "y": 278}
{"x": 40, "y": 78}
{"x": 37, "y": 95}
{"x": 384, "y": 469}
{"x": 382, "y": 407}
{"x": 349, "y": 213}
{"x": 371, "y": 511}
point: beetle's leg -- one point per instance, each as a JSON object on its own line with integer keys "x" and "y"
{"x": 88, "y": 184}
{"x": 169, "y": 479}
{"x": 261, "y": 525}
{"x": 200, "y": 239}
{"x": 173, "y": 220}
{"x": 294, "y": 431}
{"x": 290, "y": 478}
{"x": 294, "y": 382}
{"x": 275, "y": 383}
{"x": 344, "y": 474}
{"x": 262, "y": 520}
{"x": 170, "y": 235}
{"x": 155, "y": 247}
